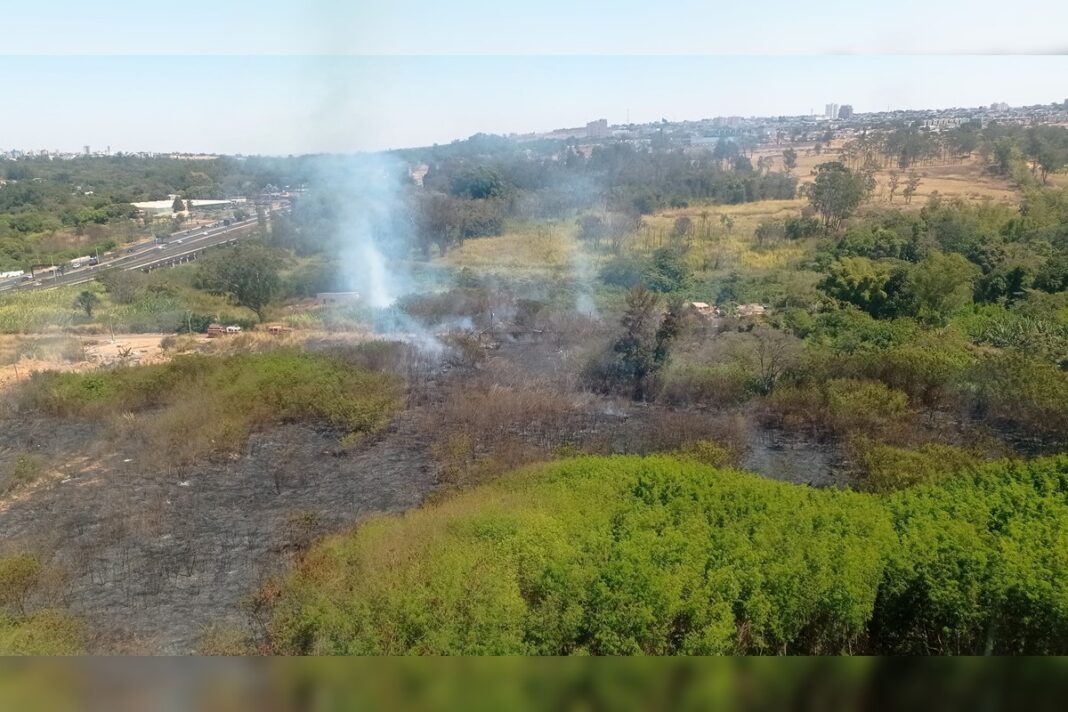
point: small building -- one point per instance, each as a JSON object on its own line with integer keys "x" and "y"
{"x": 748, "y": 311}
{"x": 704, "y": 309}
{"x": 215, "y": 330}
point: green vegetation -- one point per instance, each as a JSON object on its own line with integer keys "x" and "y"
{"x": 196, "y": 406}
{"x": 661, "y": 555}
{"x": 166, "y": 300}
{"x": 25, "y": 469}
{"x": 247, "y": 274}
{"x": 42, "y": 633}
{"x": 36, "y": 632}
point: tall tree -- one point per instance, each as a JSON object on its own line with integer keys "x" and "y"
{"x": 892, "y": 183}
{"x": 789, "y": 160}
{"x": 911, "y": 185}
{"x": 248, "y": 274}
{"x": 836, "y": 193}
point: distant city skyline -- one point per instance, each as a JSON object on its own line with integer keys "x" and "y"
{"x": 282, "y": 105}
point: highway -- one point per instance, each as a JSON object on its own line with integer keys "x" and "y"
{"x": 179, "y": 247}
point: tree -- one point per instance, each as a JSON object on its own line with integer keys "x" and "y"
{"x": 942, "y": 283}
{"x": 642, "y": 348}
{"x": 910, "y": 186}
{"x": 682, "y": 228}
{"x": 248, "y": 274}
{"x": 668, "y": 271}
{"x": 86, "y": 301}
{"x": 878, "y": 287}
{"x": 478, "y": 183}
{"x": 1047, "y": 147}
{"x": 789, "y": 160}
{"x": 1004, "y": 152}
{"x": 728, "y": 223}
{"x": 725, "y": 151}
{"x": 892, "y": 183}
{"x": 177, "y": 206}
{"x": 836, "y": 193}
{"x": 121, "y": 285}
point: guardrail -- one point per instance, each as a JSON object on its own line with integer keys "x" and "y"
{"x": 90, "y": 273}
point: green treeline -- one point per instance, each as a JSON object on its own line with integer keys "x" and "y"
{"x": 664, "y": 555}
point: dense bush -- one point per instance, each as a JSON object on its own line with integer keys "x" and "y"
{"x": 661, "y": 555}
{"x": 840, "y": 406}
{"x": 887, "y": 468}
{"x": 981, "y": 565}
{"x": 609, "y": 556}
{"x": 194, "y": 405}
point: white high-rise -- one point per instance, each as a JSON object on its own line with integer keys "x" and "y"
{"x": 831, "y": 111}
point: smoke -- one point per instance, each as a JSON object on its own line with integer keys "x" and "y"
{"x": 584, "y": 275}
{"x": 373, "y": 236}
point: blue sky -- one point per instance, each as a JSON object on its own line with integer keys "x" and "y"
{"x": 328, "y": 75}
{"x": 533, "y": 27}
{"x": 282, "y": 105}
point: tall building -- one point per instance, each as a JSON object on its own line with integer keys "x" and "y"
{"x": 597, "y": 129}
{"x": 86, "y": 150}
{"x": 845, "y": 111}
{"x": 830, "y": 111}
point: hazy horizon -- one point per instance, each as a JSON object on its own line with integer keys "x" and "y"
{"x": 294, "y": 105}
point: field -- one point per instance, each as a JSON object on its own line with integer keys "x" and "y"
{"x": 640, "y": 401}
{"x": 965, "y": 179}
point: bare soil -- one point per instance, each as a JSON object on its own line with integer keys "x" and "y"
{"x": 151, "y": 558}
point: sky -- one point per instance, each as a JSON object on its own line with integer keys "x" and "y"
{"x": 405, "y": 27}
{"x": 323, "y": 75}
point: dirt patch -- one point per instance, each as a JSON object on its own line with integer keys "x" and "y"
{"x": 81, "y": 353}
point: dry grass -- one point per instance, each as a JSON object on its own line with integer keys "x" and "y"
{"x": 965, "y": 180}
{"x": 524, "y": 248}
{"x": 196, "y": 407}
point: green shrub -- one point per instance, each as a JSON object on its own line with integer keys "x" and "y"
{"x": 26, "y": 468}
{"x": 719, "y": 385}
{"x": 981, "y": 564}
{"x": 840, "y": 406}
{"x": 663, "y": 555}
{"x": 19, "y": 574}
{"x": 1022, "y": 390}
{"x": 43, "y": 633}
{"x": 597, "y": 555}
{"x": 888, "y": 468}
{"x": 864, "y": 406}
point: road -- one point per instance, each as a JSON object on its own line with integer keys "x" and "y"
{"x": 180, "y": 246}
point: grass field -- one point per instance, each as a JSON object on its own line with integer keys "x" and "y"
{"x": 529, "y": 249}
{"x": 965, "y": 179}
